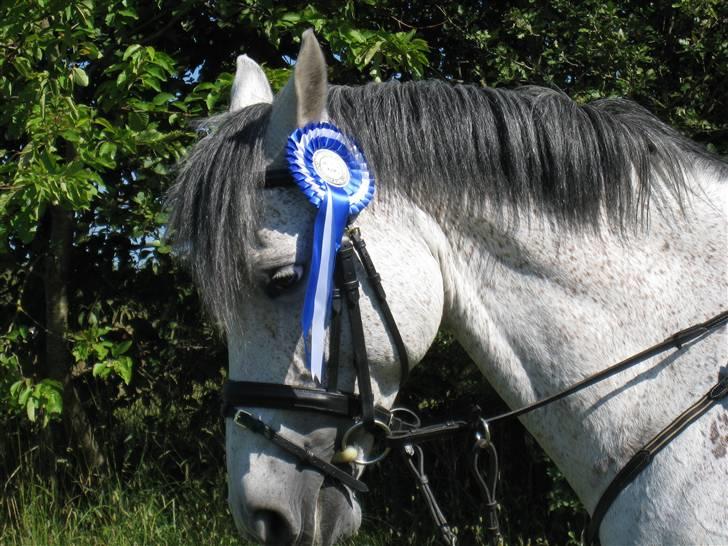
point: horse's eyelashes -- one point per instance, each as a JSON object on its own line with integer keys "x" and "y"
{"x": 283, "y": 279}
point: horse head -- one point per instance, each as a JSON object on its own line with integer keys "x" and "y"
{"x": 256, "y": 288}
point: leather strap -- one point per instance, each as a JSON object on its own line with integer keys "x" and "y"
{"x": 644, "y": 456}
{"x": 422, "y": 434}
{"x": 376, "y": 282}
{"x": 250, "y": 421}
{"x": 675, "y": 341}
{"x": 350, "y": 289}
{"x": 251, "y": 394}
{"x": 415, "y": 458}
{"x": 332, "y": 366}
{"x": 275, "y": 395}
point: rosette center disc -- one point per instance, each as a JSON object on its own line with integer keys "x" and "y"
{"x": 331, "y": 167}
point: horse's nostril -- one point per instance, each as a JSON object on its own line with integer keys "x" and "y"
{"x": 272, "y": 527}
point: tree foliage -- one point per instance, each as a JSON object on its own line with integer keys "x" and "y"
{"x": 100, "y": 99}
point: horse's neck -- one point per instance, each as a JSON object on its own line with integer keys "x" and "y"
{"x": 539, "y": 308}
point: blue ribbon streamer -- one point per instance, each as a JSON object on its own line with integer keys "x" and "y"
{"x": 331, "y": 219}
{"x": 337, "y": 202}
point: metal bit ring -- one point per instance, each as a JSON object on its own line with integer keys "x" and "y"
{"x": 358, "y": 425}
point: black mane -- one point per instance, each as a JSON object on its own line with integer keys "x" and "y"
{"x": 529, "y": 147}
{"x": 478, "y": 149}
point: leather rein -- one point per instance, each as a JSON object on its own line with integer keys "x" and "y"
{"x": 400, "y": 428}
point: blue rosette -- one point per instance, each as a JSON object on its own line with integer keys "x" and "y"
{"x": 332, "y": 172}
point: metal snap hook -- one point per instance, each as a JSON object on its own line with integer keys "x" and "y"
{"x": 482, "y": 434}
{"x": 345, "y": 447}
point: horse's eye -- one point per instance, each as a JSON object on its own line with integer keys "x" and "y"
{"x": 283, "y": 279}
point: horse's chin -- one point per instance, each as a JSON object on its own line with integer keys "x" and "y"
{"x": 338, "y": 515}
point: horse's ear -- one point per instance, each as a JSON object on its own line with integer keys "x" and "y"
{"x": 310, "y": 80}
{"x": 302, "y": 100}
{"x": 250, "y": 85}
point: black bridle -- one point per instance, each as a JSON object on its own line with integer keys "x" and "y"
{"x": 400, "y": 428}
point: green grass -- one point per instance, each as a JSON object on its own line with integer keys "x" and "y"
{"x": 136, "y": 512}
{"x": 151, "y": 508}
{"x": 115, "y": 513}
{"x": 146, "y": 511}
{"x": 157, "y": 505}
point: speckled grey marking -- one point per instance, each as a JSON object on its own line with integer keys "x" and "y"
{"x": 719, "y": 436}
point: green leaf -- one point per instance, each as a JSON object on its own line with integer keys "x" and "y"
{"x": 108, "y": 149}
{"x": 162, "y": 98}
{"x": 210, "y": 101}
{"x": 30, "y": 408}
{"x": 123, "y": 368}
{"x": 138, "y": 121}
{"x": 120, "y": 348}
{"x": 101, "y": 349}
{"x": 90, "y": 50}
{"x": 15, "y": 388}
{"x": 79, "y": 76}
{"x": 25, "y": 395}
{"x": 372, "y": 51}
{"x": 156, "y": 72}
{"x": 23, "y": 66}
{"x": 50, "y": 393}
{"x": 130, "y": 51}
{"x": 131, "y": 14}
{"x": 290, "y": 18}
{"x": 356, "y": 35}
{"x": 101, "y": 369}
{"x": 52, "y": 384}
{"x": 71, "y": 136}
{"x": 152, "y": 82}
